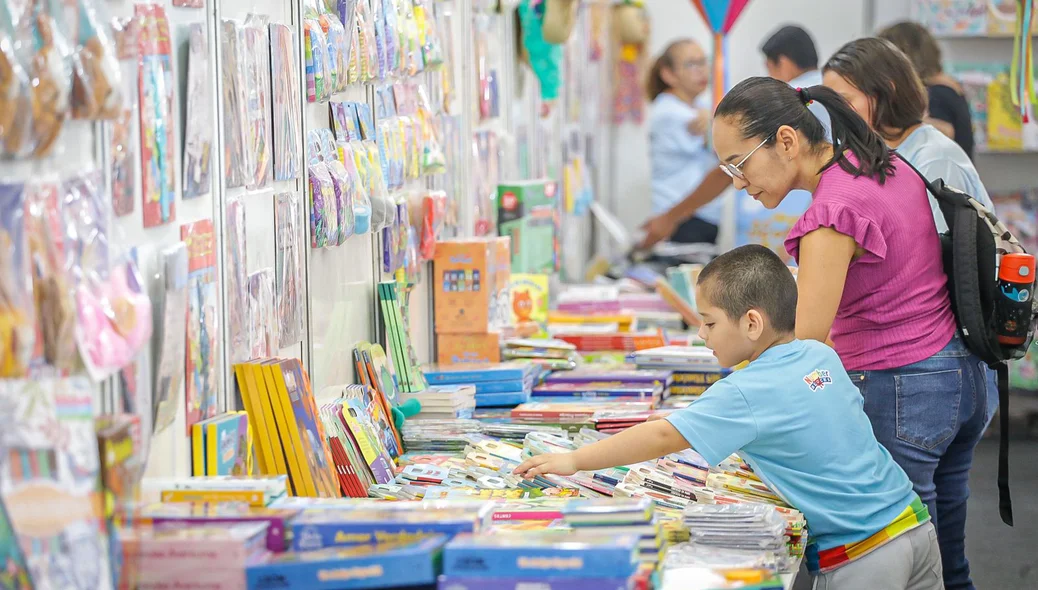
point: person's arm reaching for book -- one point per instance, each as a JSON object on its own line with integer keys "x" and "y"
{"x": 664, "y": 225}
{"x": 634, "y": 445}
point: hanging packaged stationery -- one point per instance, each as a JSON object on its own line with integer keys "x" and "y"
{"x": 235, "y": 104}
{"x": 52, "y": 288}
{"x": 155, "y": 87}
{"x": 383, "y": 212}
{"x": 434, "y": 214}
{"x": 378, "y": 28}
{"x": 15, "y": 91}
{"x": 262, "y": 315}
{"x": 322, "y": 196}
{"x": 169, "y": 371}
{"x": 343, "y": 185}
{"x": 203, "y": 323}
{"x": 122, "y": 143}
{"x": 236, "y": 261}
{"x": 97, "y": 88}
{"x": 198, "y": 143}
{"x": 17, "y": 314}
{"x": 361, "y": 201}
{"x": 411, "y": 51}
{"x": 315, "y": 51}
{"x": 113, "y": 310}
{"x": 338, "y": 48}
{"x": 50, "y": 72}
{"x": 289, "y": 270}
{"x": 412, "y": 262}
{"x": 486, "y": 75}
{"x": 287, "y": 111}
{"x": 257, "y": 100}
{"x": 432, "y": 43}
{"x": 432, "y": 159}
{"x": 369, "y": 53}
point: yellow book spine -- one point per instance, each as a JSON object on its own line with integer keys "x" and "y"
{"x": 306, "y": 476}
{"x": 247, "y": 388}
{"x": 250, "y": 468}
{"x": 212, "y": 449}
{"x": 197, "y": 450}
{"x": 251, "y": 497}
{"x": 295, "y": 473}
{"x": 262, "y": 401}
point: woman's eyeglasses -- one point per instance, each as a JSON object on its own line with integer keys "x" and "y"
{"x": 735, "y": 170}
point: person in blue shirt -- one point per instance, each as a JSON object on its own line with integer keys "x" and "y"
{"x": 683, "y": 165}
{"x": 796, "y": 418}
{"x": 790, "y": 56}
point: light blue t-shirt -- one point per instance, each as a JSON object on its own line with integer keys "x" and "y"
{"x": 938, "y": 156}
{"x": 680, "y": 160}
{"x": 795, "y": 416}
{"x": 755, "y": 224}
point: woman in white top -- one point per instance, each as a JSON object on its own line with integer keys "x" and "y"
{"x": 683, "y": 165}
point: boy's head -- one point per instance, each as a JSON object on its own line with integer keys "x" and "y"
{"x": 748, "y": 300}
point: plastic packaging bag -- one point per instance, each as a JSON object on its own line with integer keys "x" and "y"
{"x": 338, "y": 51}
{"x": 383, "y": 211}
{"x": 15, "y": 92}
{"x": 50, "y": 75}
{"x": 286, "y": 106}
{"x": 51, "y": 286}
{"x": 17, "y": 314}
{"x": 289, "y": 268}
{"x": 236, "y": 271}
{"x": 198, "y": 143}
{"x": 263, "y": 324}
{"x": 315, "y": 47}
{"x": 257, "y": 79}
{"x": 361, "y": 201}
{"x": 155, "y": 100}
{"x": 97, "y": 87}
{"x": 235, "y": 105}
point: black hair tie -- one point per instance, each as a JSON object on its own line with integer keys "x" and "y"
{"x": 804, "y": 96}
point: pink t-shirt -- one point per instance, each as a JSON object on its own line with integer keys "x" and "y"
{"x": 895, "y": 309}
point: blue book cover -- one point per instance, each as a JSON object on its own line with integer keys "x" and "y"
{"x": 628, "y": 392}
{"x": 319, "y": 529}
{"x": 492, "y": 400}
{"x": 382, "y": 565}
{"x": 479, "y": 373}
{"x": 459, "y": 583}
{"x": 542, "y": 554}
{"x": 510, "y": 386}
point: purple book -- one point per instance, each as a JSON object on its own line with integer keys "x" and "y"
{"x": 198, "y": 514}
{"x": 599, "y": 390}
{"x": 629, "y": 377}
{"x": 458, "y": 583}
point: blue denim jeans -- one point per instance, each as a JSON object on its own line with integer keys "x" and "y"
{"x": 930, "y": 416}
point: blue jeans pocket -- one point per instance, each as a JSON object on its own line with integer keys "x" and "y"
{"x": 928, "y": 406}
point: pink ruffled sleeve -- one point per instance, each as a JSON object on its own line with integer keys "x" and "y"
{"x": 842, "y": 219}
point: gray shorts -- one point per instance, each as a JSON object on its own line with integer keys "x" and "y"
{"x": 909, "y": 562}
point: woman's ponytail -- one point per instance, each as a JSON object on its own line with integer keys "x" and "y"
{"x": 851, "y": 133}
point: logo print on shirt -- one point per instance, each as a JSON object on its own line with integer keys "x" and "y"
{"x": 818, "y": 379}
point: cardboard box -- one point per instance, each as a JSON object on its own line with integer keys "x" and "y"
{"x": 470, "y": 285}
{"x": 454, "y": 349}
{"x": 528, "y": 213}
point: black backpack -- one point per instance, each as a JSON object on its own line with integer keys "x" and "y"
{"x": 972, "y": 248}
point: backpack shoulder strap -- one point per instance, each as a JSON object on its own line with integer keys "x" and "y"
{"x": 1005, "y": 501}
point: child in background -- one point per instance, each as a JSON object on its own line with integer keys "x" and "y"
{"x": 794, "y": 415}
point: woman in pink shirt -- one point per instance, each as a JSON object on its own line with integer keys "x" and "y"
{"x": 871, "y": 282}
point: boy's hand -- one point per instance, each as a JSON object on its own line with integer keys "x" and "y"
{"x": 556, "y": 463}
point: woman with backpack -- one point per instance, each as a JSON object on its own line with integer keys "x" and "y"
{"x": 871, "y": 281}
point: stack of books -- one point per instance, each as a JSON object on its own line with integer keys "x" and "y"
{"x": 614, "y": 376}
{"x": 570, "y": 415}
{"x": 613, "y": 517}
{"x": 444, "y": 402}
{"x": 552, "y": 355}
{"x": 496, "y": 384}
{"x": 535, "y": 558}
{"x": 758, "y": 527}
{"x": 693, "y": 368}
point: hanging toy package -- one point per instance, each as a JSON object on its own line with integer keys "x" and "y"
{"x": 113, "y": 311}
{"x": 433, "y": 160}
{"x": 15, "y": 92}
{"x": 198, "y": 143}
{"x": 17, "y": 317}
{"x": 50, "y": 75}
{"x": 155, "y": 95}
{"x": 361, "y": 201}
{"x": 257, "y": 80}
{"x": 324, "y": 230}
{"x": 97, "y": 88}
{"x": 122, "y": 144}
{"x": 343, "y": 186}
{"x": 315, "y": 48}
{"x": 286, "y": 105}
{"x": 383, "y": 212}
{"x": 434, "y": 214}
{"x": 338, "y": 49}
{"x": 51, "y": 286}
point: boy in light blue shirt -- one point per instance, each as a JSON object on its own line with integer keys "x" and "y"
{"x": 795, "y": 416}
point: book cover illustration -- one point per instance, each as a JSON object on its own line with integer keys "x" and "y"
{"x": 262, "y": 314}
{"x": 288, "y": 265}
{"x": 50, "y": 482}
{"x": 198, "y": 145}
{"x": 236, "y": 264}
{"x": 203, "y": 325}
{"x": 227, "y": 445}
{"x": 952, "y": 17}
{"x": 314, "y": 447}
{"x": 529, "y": 304}
{"x": 319, "y": 529}
{"x": 537, "y": 554}
{"x": 191, "y": 514}
{"x": 155, "y": 87}
{"x": 172, "y": 351}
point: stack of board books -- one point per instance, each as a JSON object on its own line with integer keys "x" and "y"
{"x": 256, "y": 491}
{"x": 497, "y": 384}
{"x": 386, "y": 522}
{"x": 222, "y": 445}
{"x": 620, "y": 517}
{"x": 599, "y": 390}
{"x": 552, "y": 355}
{"x": 444, "y": 402}
{"x": 693, "y": 368}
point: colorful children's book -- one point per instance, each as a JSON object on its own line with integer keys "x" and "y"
{"x": 204, "y": 556}
{"x": 317, "y": 455}
{"x": 203, "y": 323}
{"x": 544, "y": 554}
{"x": 220, "y": 445}
{"x": 191, "y": 514}
{"x": 465, "y": 374}
{"x": 50, "y": 483}
{"x": 529, "y": 304}
{"x": 407, "y": 564}
{"x": 319, "y": 529}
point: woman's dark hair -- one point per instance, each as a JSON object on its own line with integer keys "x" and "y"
{"x": 881, "y": 71}
{"x": 918, "y": 44}
{"x": 760, "y": 105}
{"x": 655, "y": 85}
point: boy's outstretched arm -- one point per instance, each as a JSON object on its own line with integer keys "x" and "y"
{"x": 634, "y": 445}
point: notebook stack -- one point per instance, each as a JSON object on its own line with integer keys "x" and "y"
{"x": 694, "y": 369}
{"x": 614, "y": 517}
{"x": 619, "y": 384}
{"x": 758, "y": 527}
{"x": 551, "y": 355}
{"x": 570, "y": 415}
{"x": 496, "y": 384}
{"x": 444, "y": 402}
{"x": 550, "y": 559}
